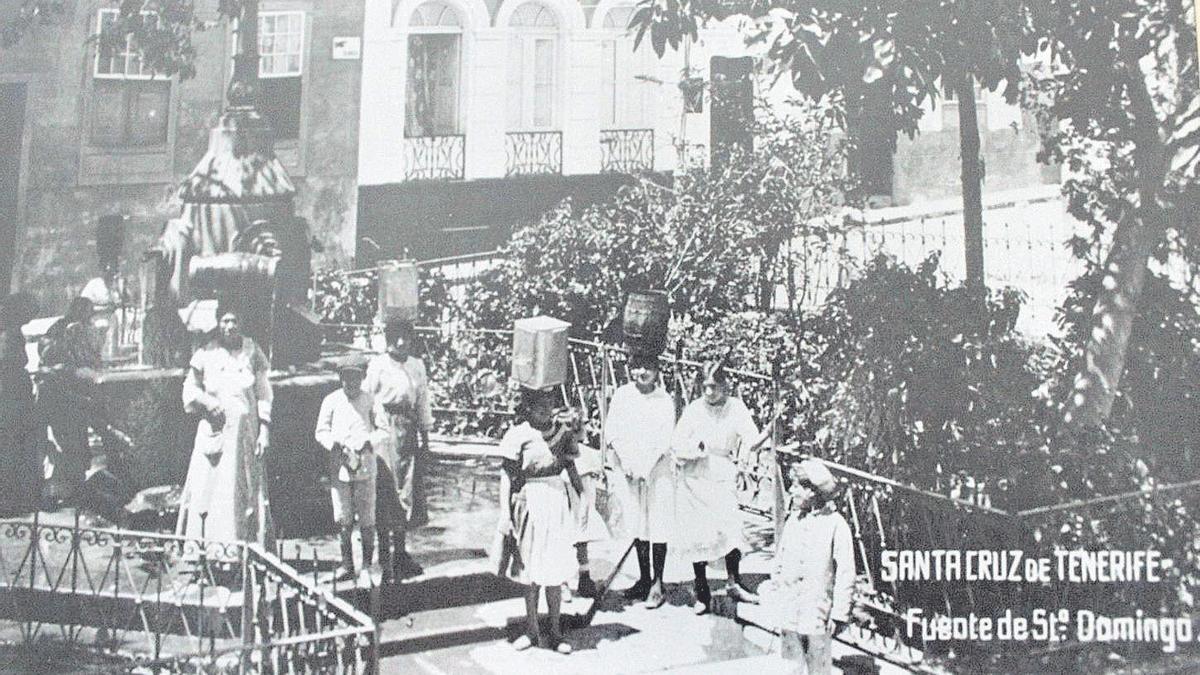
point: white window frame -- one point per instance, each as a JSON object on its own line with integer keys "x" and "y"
{"x": 460, "y": 77}
{"x": 528, "y": 37}
{"x": 619, "y": 82}
{"x": 126, "y": 54}
{"x": 299, "y": 53}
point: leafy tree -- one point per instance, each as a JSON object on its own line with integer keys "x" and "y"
{"x": 714, "y": 240}
{"x": 165, "y": 43}
{"x": 1125, "y": 90}
{"x": 884, "y": 59}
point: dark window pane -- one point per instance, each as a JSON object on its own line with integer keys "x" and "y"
{"x": 129, "y": 112}
{"x": 432, "y": 92}
{"x": 279, "y": 104}
{"x": 148, "y": 103}
{"x": 108, "y": 113}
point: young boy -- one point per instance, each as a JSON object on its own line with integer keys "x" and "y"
{"x": 348, "y": 426}
{"x": 814, "y": 569}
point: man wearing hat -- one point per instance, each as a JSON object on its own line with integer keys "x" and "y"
{"x": 349, "y": 426}
{"x": 638, "y": 427}
{"x": 814, "y": 572}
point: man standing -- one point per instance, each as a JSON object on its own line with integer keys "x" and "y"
{"x": 641, "y": 418}
{"x": 814, "y": 570}
{"x": 346, "y": 427}
{"x": 397, "y": 381}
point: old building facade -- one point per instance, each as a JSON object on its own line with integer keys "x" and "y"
{"x": 426, "y": 127}
{"x": 91, "y": 132}
{"x": 478, "y": 115}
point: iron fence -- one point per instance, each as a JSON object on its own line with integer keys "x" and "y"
{"x": 626, "y": 150}
{"x": 533, "y": 152}
{"x": 168, "y": 603}
{"x": 435, "y": 157}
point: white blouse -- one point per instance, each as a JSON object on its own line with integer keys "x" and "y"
{"x": 638, "y": 427}
{"x": 707, "y": 431}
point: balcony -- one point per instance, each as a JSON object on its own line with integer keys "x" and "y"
{"x": 626, "y": 150}
{"x": 533, "y": 153}
{"x": 435, "y": 157}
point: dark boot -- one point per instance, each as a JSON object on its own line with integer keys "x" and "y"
{"x": 385, "y": 556}
{"x": 587, "y": 587}
{"x": 403, "y": 566}
{"x": 733, "y": 562}
{"x": 368, "y": 546}
{"x": 346, "y": 539}
{"x": 703, "y": 603}
{"x": 656, "y": 597}
{"x": 639, "y": 590}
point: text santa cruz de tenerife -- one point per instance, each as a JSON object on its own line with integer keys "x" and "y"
{"x": 1108, "y": 566}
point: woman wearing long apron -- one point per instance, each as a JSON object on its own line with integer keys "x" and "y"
{"x": 712, "y": 431}
{"x": 397, "y": 381}
{"x": 225, "y": 495}
{"x": 540, "y": 517}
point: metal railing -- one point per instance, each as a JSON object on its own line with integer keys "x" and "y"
{"x": 626, "y": 150}
{"x": 884, "y": 514}
{"x": 168, "y": 603}
{"x": 435, "y": 157}
{"x": 533, "y": 152}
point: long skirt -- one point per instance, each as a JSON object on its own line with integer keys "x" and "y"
{"x": 225, "y": 494}
{"x": 546, "y": 533}
{"x": 708, "y": 522}
{"x": 645, "y": 507}
{"x": 406, "y": 460}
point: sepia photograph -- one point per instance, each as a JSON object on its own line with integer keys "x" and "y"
{"x": 599, "y": 336}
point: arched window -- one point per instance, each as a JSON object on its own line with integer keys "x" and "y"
{"x": 627, "y": 78}
{"x": 434, "y": 71}
{"x": 532, "y": 68}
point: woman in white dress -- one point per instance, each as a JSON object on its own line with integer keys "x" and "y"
{"x": 711, "y": 433}
{"x": 638, "y": 428}
{"x": 225, "y": 495}
{"x": 539, "y": 515}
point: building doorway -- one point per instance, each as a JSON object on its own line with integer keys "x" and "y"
{"x": 12, "y": 128}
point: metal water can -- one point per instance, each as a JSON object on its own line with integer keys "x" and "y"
{"x": 399, "y": 290}
{"x": 540, "y": 351}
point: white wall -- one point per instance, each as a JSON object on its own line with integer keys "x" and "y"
{"x": 381, "y": 139}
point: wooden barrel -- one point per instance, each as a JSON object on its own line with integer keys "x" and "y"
{"x": 233, "y": 272}
{"x": 244, "y": 282}
{"x": 645, "y": 321}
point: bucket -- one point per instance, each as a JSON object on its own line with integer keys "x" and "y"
{"x": 399, "y": 290}
{"x": 645, "y": 321}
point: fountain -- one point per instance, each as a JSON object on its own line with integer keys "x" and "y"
{"x": 236, "y": 239}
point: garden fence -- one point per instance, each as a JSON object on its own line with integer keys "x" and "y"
{"x": 171, "y": 604}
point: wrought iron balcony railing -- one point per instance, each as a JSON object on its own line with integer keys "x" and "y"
{"x": 626, "y": 150}
{"x": 435, "y": 157}
{"x": 533, "y": 152}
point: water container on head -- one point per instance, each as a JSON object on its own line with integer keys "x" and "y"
{"x": 645, "y": 322}
{"x": 540, "y": 352}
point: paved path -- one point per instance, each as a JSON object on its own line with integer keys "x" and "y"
{"x": 458, "y": 618}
